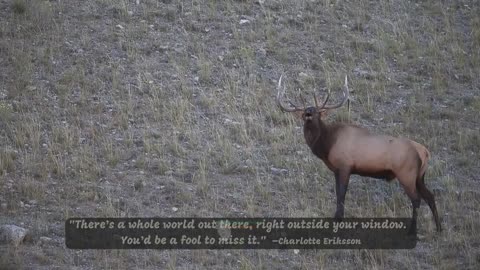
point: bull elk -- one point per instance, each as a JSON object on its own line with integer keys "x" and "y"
{"x": 348, "y": 149}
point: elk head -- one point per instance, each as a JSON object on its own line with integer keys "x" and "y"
{"x": 313, "y": 115}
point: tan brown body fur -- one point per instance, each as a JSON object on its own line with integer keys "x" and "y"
{"x": 424, "y": 155}
{"x": 362, "y": 153}
{"x": 349, "y": 149}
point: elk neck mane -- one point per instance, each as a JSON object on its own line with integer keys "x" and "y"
{"x": 320, "y": 136}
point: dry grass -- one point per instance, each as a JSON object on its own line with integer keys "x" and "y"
{"x": 113, "y": 108}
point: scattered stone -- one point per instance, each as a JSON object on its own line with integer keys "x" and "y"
{"x": 363, "y": 74}
{"x": 261, "y": 52}
{"x": 230, "y": 122}
{"x": 174, "y": 209}
{"x": 277, "y": 171}
{"x": 246, "y": 17}
{"x": 46, "y": 240}
{"x": 163, "y": 48}
{"x": 12, "y": 234}
{"x": 244, "y": 21}
{"x": 155, "y": 133}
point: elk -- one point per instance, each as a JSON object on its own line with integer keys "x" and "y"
{"x": 348, "y": 149}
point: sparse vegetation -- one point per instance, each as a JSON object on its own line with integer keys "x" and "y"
{"x": 130, "y": 108}
{"x": 19, "y": 6}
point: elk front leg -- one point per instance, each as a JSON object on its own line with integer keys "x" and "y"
{"x": 341, "y": 184}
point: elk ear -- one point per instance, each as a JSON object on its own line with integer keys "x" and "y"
{"x": 298, "y": 114}
{"x": 323, "y": 114}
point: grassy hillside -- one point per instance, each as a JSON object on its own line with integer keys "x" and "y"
{"x": 166, "y": 108}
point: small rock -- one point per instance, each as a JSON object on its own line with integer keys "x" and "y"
{"x": 230, "y": 122}
{"x": 244, "y": 21}
{"x": 12, "y": 234}
{"x": 296, "y": 251}
{"x": 277, "y": 171}
{"x": 155, "y": 133}
{"x": 45, "y": 240}
{"x": 246, "y": 17}
{"x": 174, "y": 209}
{"x": 119, "y": 26}
{"x": 262, "y": 52}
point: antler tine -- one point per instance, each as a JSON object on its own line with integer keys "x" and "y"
{"x": 345, "y": 97}
{"x": 303, "y": 101}
{"x": 280, "y": 93}
{"x": 315, "y": 99}
{"x": 326, "y": 99}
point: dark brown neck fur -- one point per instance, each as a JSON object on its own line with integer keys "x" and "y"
{"x": 320, "y": 137}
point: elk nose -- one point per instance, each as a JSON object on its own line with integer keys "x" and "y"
{"x": 309, "y": 111}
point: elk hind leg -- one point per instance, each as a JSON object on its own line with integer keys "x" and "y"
{"x": 429, "y": 199}
{"x": 414, "y": 198}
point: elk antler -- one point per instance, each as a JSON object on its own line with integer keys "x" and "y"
{"x": 280, "y": 93}
{"x": 345, "y": 98}
{"x": 324, "y": 106}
